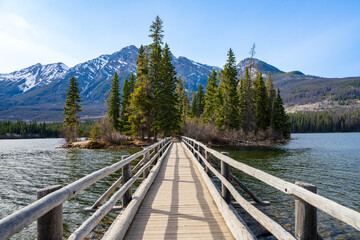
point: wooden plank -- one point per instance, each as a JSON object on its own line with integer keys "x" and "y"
{"x": 347, "y": 215}
{"x": 178, "y": 204}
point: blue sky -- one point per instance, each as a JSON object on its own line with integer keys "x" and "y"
{"x": 316, "y": 37}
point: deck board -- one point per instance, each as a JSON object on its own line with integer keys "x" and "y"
{"x": 178, "y": 204}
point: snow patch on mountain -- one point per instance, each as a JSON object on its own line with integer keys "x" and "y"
{"x": 36, "y": 75}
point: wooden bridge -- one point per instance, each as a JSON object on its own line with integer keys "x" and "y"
{"x": 177, "y": 199}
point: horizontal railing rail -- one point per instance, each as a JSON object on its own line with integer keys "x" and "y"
{"x": 347, "y": 215}
{"x": 25, "y": 216}
{"x": 96, "y": 217}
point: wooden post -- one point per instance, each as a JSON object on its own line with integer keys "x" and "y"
{"x": 305, "y": 216}
{"x": 155, "y": 151}
{"x": 225, "y": 171}
{"x": 126, "y": 171}
{"x": 146, "y": 160}
{"x": 208, "y": 159}
{"x": 50, "y": 225}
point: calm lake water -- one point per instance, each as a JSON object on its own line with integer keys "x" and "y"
{"x": 329, "y": 161}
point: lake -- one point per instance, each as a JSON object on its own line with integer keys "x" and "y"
{"x": 330, "y": 161}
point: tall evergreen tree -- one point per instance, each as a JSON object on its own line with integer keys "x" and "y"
{"x": 128, "y": 89}
{"x": 271, "y": 95}
{"x": 167, "y": 115}
{"x": 71, "y": 111}
{"x": 180, "y": 91}
{"x": 210, "y": 97}
{"x": 262, "y": 114}
{"x": 141, "y": 99}
{"x": 229, "y": 113}
{"x": 246, "y": 103}
{"x": 156, "y": 33}
{"x": 114, "y": 102}
{"x": 198, "y": 102}
{"x": 281, "y": 119}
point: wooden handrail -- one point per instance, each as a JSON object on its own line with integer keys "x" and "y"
{"x": 25, "y": 216}
{"x": 347, "y": 215}
{"x": 113, "y": 187}
{"x": 122, "y": 222}
{"x": 276, "y": 229}
{"x": 96, "y": 217}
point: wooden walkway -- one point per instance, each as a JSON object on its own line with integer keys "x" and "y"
{"x": 178, "y": 204}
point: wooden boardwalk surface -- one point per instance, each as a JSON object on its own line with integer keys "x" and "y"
{"x": 178, "y": 204}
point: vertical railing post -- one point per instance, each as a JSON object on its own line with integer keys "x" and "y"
{"x": 50, "y": 226}
{"x": 208, "y": 159}
{"x": 126, "y": 171}
{"x": 305, "y": 216}
{"x": 225, "y": 171}
{"x": 146, "y": 160}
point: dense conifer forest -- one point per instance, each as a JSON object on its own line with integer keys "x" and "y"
{"x": 325, "y": 121}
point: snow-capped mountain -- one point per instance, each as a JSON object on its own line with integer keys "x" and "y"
{"x": 35, "y": 76}
{"x": 38, "y": 92}
{"x": 43, "y": 87}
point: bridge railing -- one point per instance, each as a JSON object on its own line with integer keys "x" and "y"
{"x": 305, "y": 199}
{"x": 25, "y": 216}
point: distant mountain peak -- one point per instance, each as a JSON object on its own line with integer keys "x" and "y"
{"x": 258, "y": 65}
{"x": 36, "y": 75}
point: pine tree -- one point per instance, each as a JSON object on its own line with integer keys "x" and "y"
{"x": 198, "y": 103}
{"x": 271, "y": 95}
{"x": 128, "y": 89}
{"x": 262, "y": 114}
{"x": 281, "y": 119}
{"x": 141, "y": 99}
{"x": 156, "y": 33}
{"x": 180, "y": 91}
{"x": 71, "y": 111}
{"x": 114, "y": 102}
{"x": 246, "y": 103}
{"x": 210, "y": 97}
{"x": 167, "y": 115}
{"x": 193, "y": 104}
{"x": 229, "y": 113}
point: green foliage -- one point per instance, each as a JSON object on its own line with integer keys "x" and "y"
{"x": 141, "y": 99}
{"x": 156, "y": 33}
{"x": 246, "y": 103}
{"x": 128, "y": 89}
{"x": 32, "y": 129}
{"x": 228, "y": 117}
{"x": 281, "y": 119}
{"x": 325, "y": 121}
{"x": 210, "y": 98}
{"x": 182, "y": 100}
{"x": 155, "y": 57}
{"x": 71, "y": 111}
{"x": 167, "y": 114}
{"x": 262, "y": 113}
{"x": 114, "y": 102}
{"x": 198, "y": 102}
{"x": 95, "y": 131}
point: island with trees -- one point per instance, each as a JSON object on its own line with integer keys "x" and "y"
{"x": 235, "y": 109}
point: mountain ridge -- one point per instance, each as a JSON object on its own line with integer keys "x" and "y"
{"x": 42, "y": 95}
